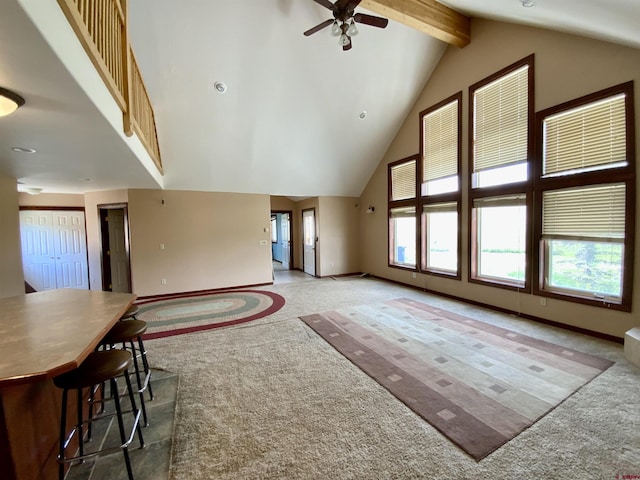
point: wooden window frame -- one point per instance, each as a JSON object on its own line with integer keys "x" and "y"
{"x": 622, "y": 174}
{"x": 409, "y": 202}
{"x": 516, "y": 188}
{"x": 448, "y": 197}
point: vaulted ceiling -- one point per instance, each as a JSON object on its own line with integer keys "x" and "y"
{"x": 289, "y": 122}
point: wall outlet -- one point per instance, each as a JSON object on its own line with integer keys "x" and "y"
{"x": 414, "y": 274}
{"x": 263, "y": 242}
{"x": 543, "y": 302}
{"x": 162, "y": 246}
{"x": 163, "y": 281}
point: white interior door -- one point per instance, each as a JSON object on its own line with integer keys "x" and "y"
{"x": 54, "y": 249}
{"x": 286, "y": 240}
{"x": 70, "y": 245}
{"x": 38, "y": 256}
{"x": 118, "y": 257}
{"x": 309, "y": 241}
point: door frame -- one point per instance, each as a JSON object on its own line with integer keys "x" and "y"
{"x": 105, "y": 261}
{"x": 290, "y": 212}
{"x": 315, "y": 240}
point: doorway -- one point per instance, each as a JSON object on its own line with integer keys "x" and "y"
{"x": 281, "y": 234}
{"x": 114, "y": 259}
{"x": 309, "y": 240}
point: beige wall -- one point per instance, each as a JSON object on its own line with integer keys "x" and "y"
{"x": 51, "y": 200}
{"x": 566, "y": 67}
{"x": 339, "y": 224}
{"x": 94, "y": 246}
{"x": 11, "y": 276}
{"x": 211, "y": 240}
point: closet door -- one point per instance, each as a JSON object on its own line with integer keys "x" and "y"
{"x": 70, "y": 247}
{"x": 54, "y": 249}
{"x": 38, "y": 255}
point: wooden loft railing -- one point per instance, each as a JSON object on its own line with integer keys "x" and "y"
{"x": 102, "y": 28}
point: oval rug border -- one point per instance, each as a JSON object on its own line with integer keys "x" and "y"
{"x": 278, "y": 303}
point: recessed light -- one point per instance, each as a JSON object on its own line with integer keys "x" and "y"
{"x": 220, "y": 87}
{"x": 363, "y": 115}
{"x": 528, "y": 3}
{"x": 23, "y": 150}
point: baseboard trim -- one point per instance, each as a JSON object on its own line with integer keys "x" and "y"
{"x": 196, "y": 293}
{"x": 572, "y": 328}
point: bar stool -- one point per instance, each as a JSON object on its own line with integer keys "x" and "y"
{"x": 126, "y": 333}
{"x": 98, "y": 367}
{"x": 131, "y": 312}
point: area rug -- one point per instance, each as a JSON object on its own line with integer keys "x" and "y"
{"x": 193, "y": 313}
{"x": 480, "y": 385}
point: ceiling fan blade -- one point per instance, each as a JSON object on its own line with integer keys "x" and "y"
{"x": 326, "y": 4}
{"x": 319, "y": 27}
{"x": 371, "y": 20}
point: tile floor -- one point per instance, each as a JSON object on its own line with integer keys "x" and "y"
{"x": 150, "y": 462}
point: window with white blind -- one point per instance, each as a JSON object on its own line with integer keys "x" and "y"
{"x": 500, "y": 125}
{"x": 402, "y": 213}
{"x": 586, "y": 138}
{"x": 403, "y": 181}
{"x": 586, "y": 233}
{"x": 440, "y": 147}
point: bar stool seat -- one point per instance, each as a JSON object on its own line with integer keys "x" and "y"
{"x": 98, "y": 368}
{"x": 126, "y": 333}
{"x": 131, "y": 312}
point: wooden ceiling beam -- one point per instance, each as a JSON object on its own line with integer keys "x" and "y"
{"x": 428, "y": 16}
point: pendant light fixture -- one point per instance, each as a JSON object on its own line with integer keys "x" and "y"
{"x": 9, "y": 102}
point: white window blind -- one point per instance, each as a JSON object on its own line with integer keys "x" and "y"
{"x": 503, "y": 201}
{"x": 587, "y": 212}
{"x": 586, "y": 137}
{"x": 448, "y": 207}
{"x": 440, "y": 142}
{"x": 403, "y": 212}
{"x": 501, "y": 121}
{"x": 403, "y": 181}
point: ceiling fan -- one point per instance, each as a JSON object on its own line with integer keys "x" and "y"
{"x": 344, "y": 21}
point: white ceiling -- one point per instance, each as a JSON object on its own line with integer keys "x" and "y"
{"x": 289, "y": 122}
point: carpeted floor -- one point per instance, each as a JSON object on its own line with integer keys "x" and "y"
{"x": 271, "y": 399}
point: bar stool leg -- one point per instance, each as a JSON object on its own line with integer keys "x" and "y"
{"x": 63, "y": 432}
{"x": 145, "y": 364}
{"x": 123, "y": 439}
{"x": 136, "y": 368}
{"x": 134, "y": 407}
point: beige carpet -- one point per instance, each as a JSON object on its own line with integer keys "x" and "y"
{"x": 271, "y": 399}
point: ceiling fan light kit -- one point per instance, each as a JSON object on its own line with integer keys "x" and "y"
{"x": 9, "y": 102}
{"x": 344, "y": 21}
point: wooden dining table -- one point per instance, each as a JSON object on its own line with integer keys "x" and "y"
{"x": 42, "y": 335}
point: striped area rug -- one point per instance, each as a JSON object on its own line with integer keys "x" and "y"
{"x": 182, "y": 314}
{"x": 478, "y": 384}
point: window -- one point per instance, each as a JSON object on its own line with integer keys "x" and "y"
{"x": 500, "y": 183}
{"x": 274, "y": 230}
{"x": 403, "y": 236}
{"x": 500, "y": 127}
{"x": 402, "y": 213}
{"x": 501, "y": 239}
{"x": 440, "y": 147}
{"x": 440, "y": 237}
{"x": 586, "y": 232}
{"x": 440, "y": 187}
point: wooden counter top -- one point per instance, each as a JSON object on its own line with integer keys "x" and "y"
{"x": 47, "y": 333}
